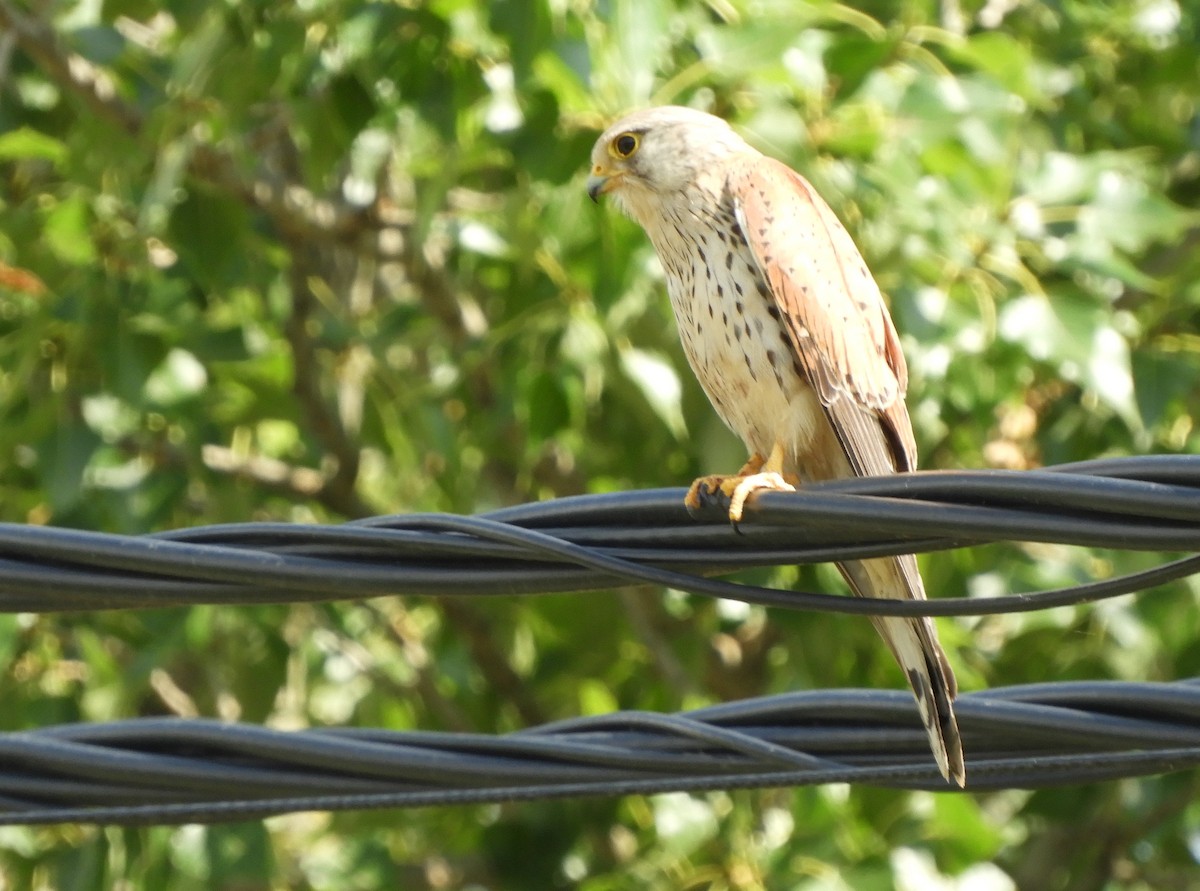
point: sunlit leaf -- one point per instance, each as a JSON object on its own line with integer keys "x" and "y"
{"x": 1076, "y": 338}
{"x": 178, "y": 377}
{"x": 26, "y": 142}
{"x": 659, "y": 383}
{"x": 68, "y": 231}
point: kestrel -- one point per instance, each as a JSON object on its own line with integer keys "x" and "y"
{"x": 787, "y": 332}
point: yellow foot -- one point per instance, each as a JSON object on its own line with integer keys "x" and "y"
{"x": 758, "y": 473}
{"x": 706, "y": 486}
{"x": 746, "y": 485}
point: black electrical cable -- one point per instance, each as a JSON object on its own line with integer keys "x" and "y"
{"x": 175, "y": 770}
{"x": 160, "y": 770}
{"x": 595, "y": 542}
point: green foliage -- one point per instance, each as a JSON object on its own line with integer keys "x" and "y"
{"x": 319, "y": 260}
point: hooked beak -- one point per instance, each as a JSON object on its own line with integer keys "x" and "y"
{"x": 598, "y": 184}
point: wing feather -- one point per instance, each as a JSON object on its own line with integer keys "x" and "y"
{"x": 838, "y": 324}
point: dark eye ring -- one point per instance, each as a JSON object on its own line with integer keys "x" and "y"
{"x": 625, "y": 144}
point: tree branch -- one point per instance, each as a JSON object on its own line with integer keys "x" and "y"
{"x": 68, "y": 69}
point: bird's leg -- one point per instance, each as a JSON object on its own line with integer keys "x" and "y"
{"x": 769, "y": 476}
{"x": 706, "y": 486}
{"x": 756, "y": 474}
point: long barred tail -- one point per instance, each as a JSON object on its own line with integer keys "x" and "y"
{"x": 915, "y": 645}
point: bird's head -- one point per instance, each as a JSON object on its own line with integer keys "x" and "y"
{"x": 651, "y": 156}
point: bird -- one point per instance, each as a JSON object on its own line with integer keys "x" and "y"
{"x": 785, "y": 328}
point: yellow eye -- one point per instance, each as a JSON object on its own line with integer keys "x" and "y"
{"x": 625, "y": 145}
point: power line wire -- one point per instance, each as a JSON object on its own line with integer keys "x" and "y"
{"x": 174, "y": 770}
{"x": 597, "y": 541}
{"x": 157, "y": 770}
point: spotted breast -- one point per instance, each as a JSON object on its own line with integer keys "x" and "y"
{"x": 733, "y": 337}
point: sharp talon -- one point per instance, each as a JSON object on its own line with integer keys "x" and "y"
{"x": 732, "y": 491}
{"x": 747, "y": 486}
{"x": 704, "y": 495}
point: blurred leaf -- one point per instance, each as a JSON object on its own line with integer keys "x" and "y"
{"x": 683, "y": 822}
{"x": 1127, "y": 215}
{"x": 210, "y": 231}
{"x": 639, "y": 27}
{"x": 352, "y": 104}
{"x": 179, "y": 377}
{"x": 1161, "y": 381}
{"x": 26, "y": 142}
{"x": 1075, "y": 336}
{"x": 99, "y": 44}
{"x": 68, "y": 231}
{"x": 851, "y": 60}
{"x": 564, "y": 73}
{"x": 525, "y": 24}
{"x": 660, "y": 386}
{"x": 166, "y": 186}
{"x": 596, "y": 699}
{"x": 198, "y": 56}
{"x": 68, "y": 450}
{"x": 549, "y": 410}
{"x": 1002, "y": 56}
{"x": 745, "y": 49}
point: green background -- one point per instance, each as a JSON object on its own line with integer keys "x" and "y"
{"x": 323, "y": 260}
